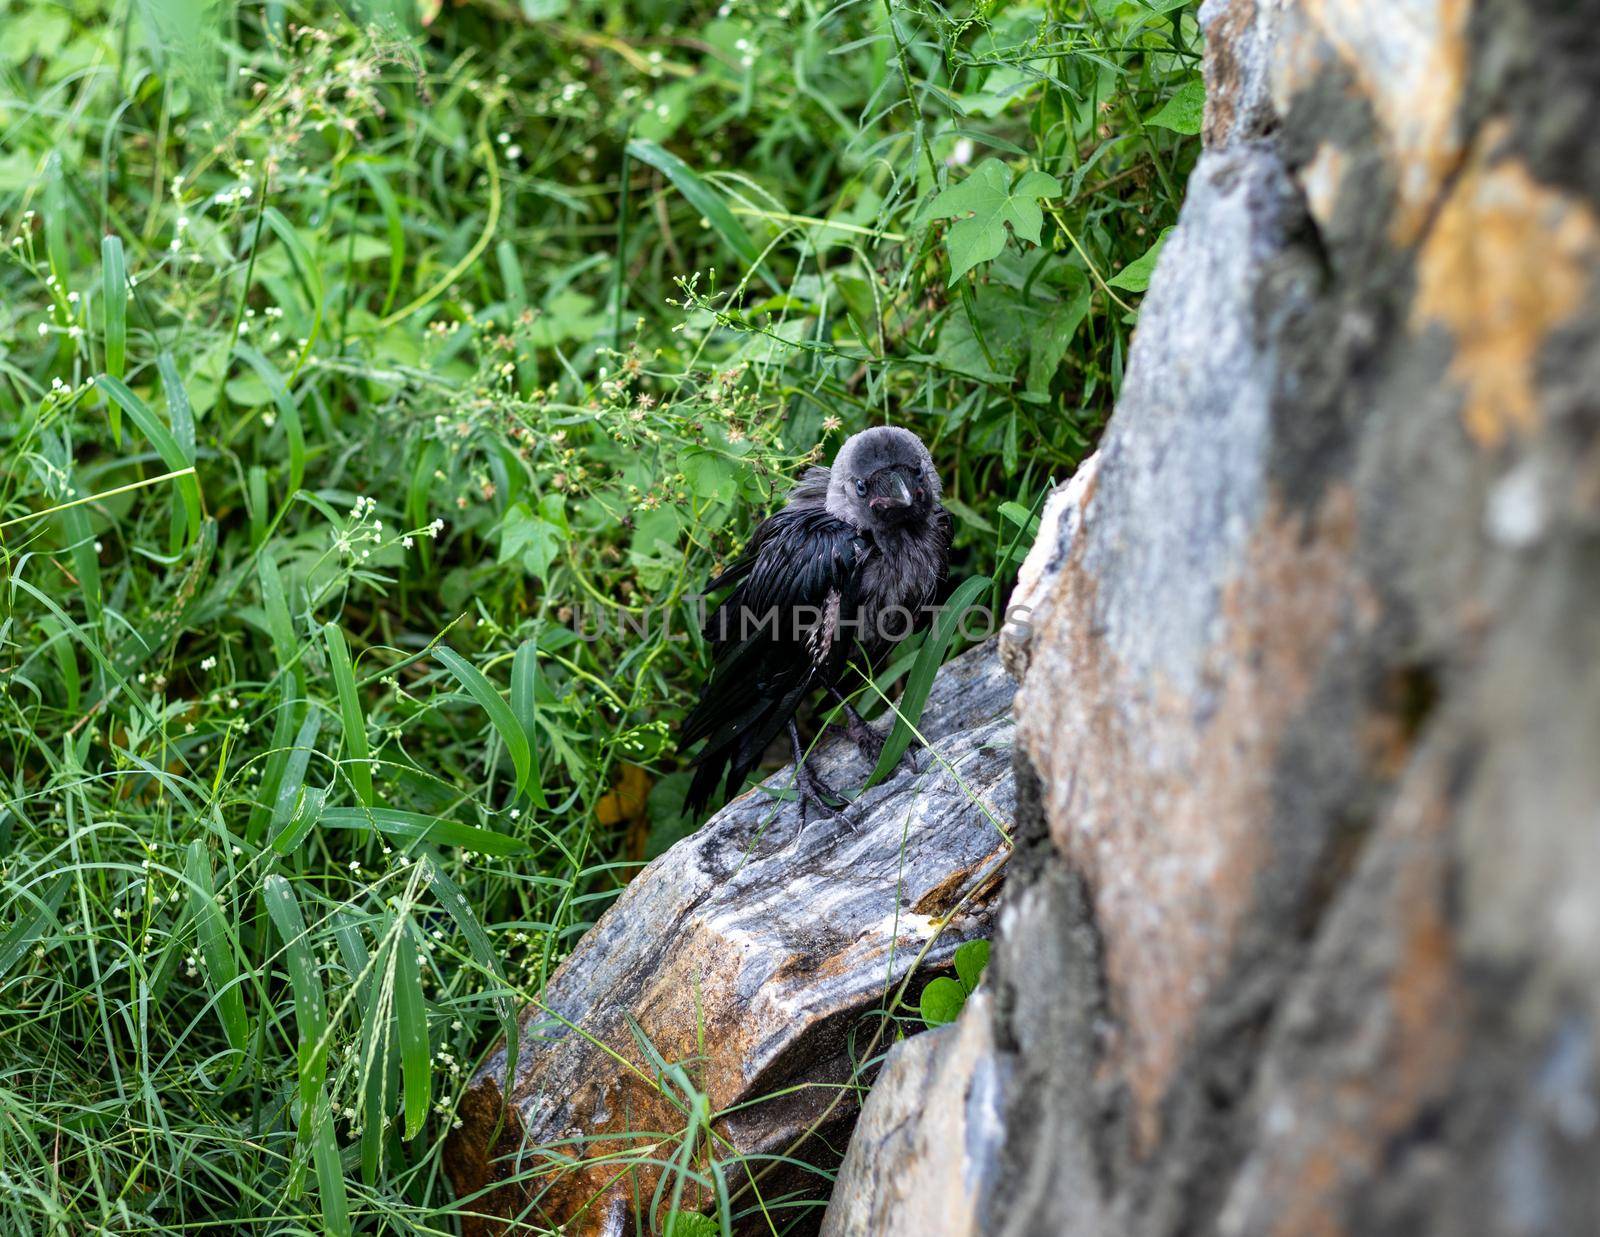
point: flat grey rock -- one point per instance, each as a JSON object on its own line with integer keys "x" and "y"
{"x": 749, "y": 959}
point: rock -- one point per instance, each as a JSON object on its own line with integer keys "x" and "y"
{"x": 1058, "y": 522}
{"x": 927, "y": 1139}
{"x": 750, "y": 962}
{"x": 1301, "y": 934}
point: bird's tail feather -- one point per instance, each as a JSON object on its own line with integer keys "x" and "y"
{"x": 733, "y": 752}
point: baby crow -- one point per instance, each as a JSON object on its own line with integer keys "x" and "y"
{"x": 842, "y": 572}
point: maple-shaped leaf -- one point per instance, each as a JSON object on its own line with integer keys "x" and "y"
{"x": 993, "y": 201}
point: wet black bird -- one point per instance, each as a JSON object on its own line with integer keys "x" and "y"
{"x": 839, "y": 575}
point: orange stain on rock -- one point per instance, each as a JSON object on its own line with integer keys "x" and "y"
{"x": 1172, "y": 824}
{"x": 1507, "y": 261}
{"x": 1409, "y": 59}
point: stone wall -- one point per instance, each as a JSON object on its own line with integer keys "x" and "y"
{"x": 1303, "y": 935}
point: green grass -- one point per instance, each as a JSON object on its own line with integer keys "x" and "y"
{"x": 365, "y": 388}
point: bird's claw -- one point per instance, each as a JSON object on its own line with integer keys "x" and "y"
{"x": 815, "y": 795}
{"x": 870, "y": 744}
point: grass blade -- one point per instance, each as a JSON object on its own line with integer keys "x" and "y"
{"x": 114, "y": 304}
{"x": 162, "y": 439}
{"x": 297, "y": 808}
{"x": 330, "y": 1173}
{"x": 478, "y": 943}
{"x": 359, "y": 760}
{"x": 416, "y": 826}
{"x": 310, "y": 1006}
{"x": 288, "y": 408}
{"x": 218, "y": 951}
{"x": 393, "y": 225}
{"x": 920, "y": 681}
{"x": 501, "y": 717}
{"x": 701, "y": 196}
{"x": 310, "y": 276}
{"x": 29, "y": 927}
{"x": 411, "y": 1020}
{"x": 525, "y": 705}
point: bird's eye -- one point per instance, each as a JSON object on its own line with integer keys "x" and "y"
{"x": 861, "y": 488}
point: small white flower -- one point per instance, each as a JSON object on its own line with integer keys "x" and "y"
{"x": 99, "y": 547}
{"x": 44, "y": 328}
{"x": 208, "y": 663}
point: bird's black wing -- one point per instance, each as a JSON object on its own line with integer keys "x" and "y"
{"x": 783, "y": 630}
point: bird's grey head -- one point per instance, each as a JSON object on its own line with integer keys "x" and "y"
{"x": 882, "y": 479}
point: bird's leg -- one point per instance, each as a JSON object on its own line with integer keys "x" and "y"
{"x": 809, "y": 789}
{"x": 868, "y": 741}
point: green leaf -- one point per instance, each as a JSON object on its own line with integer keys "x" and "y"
{"x": 1049, "y": 340}
{"x": 453, "y": 900}
{"x": 288, "y": 408}
{"x": 966, "y": 514}
{"x": 162, "y": 439}
{"x": 310, "y": 1007}
{"x": 411, "y": 1017}
{"x": 359, "y": 759}
{"x": 330, "y": 1173}
{"x": 525, "y": 704}
{"x": 305, "y": 267}
{"x": 393, "y": 224}
{"x": 35, "y": 915}
{"x": 500, "y": 714}
{"x": 217, "y": 948}
{"x": 711, "y": 475}
{"x": 941, "y": 1001}
{"x": 417, "y": 826}
{"x": 114, "y": 297}
{"x": 297, "y": 807}
{"x": 34, "y": 30}
{"x": 568, "y": 314}
{"x": 1020, "y": 516}
{"x": 1185, "y": 110}
{"x": 701, "y": 196}
{"x": 690, "y": 1224}
{"x": 1002, "y": 327}
{"x": 1135, "y": 277}
{"x": 920, "y": 681}
{"x": 529, "y": 538}
{"x": 971, "y": 958}
{"x": 987, "y": 202}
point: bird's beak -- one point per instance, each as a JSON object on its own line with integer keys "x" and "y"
{"x": 897, "y": 493}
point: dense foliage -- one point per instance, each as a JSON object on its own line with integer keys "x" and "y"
{"x": 375, "y": 387}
